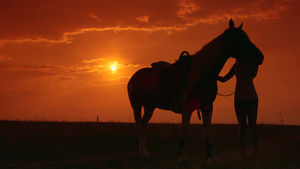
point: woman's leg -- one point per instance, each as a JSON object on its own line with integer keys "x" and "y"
{"x": 241, "y": 116}
{"x": 252, "y": 118}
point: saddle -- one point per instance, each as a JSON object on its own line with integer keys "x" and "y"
{"x": 167, "y": 80}
{"x": 165, "y": 76}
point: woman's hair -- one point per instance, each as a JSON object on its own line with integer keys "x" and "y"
{"x": 255, "y": 59}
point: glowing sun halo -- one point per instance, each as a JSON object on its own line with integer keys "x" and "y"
{"x": 114, "y": 66}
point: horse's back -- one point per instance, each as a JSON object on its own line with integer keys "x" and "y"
{"x": 160, "y": 65}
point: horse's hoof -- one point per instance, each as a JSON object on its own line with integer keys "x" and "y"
{"x": 243, "y": 157}
{"x": 144, "y": 157}
{"x": 213, "y": 159}
{"x": 182, "y": 160}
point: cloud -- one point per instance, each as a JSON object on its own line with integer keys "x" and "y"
{"x": 214, "y": 11}
{"x": 187, "y": 7}
{"x": 58, "y": 21}
{"x": 143, "y": 19}
{"x": 99, "y": 65}
{"x": 108, "y": 82}
{"x": 91, "y": 66}
{"x": 67, "y": 73}
{"x": 56, "y": 78}
{"x": 95, "y": 17}
{"x": 92, "y": 60}
{"x": 4, "y": 58}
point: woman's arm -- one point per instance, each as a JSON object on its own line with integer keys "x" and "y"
{"x": 228, "y": 76}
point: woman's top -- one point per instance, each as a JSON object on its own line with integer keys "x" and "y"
{"x": 245, "y": 73}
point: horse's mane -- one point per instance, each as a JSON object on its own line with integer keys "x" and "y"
{"x": 209, "y": 45}
{"x": 205, "y": 54}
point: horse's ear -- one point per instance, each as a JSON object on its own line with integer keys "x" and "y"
{"x": 240, "y": 27}
{"x": 231, "y": 24}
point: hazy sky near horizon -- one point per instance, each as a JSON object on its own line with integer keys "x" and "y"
{"x": 56, "y": 57}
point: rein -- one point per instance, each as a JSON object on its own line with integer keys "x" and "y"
{"x": 225, "y": 95}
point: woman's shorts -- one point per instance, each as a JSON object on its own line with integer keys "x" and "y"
{"x": 247, "y": 103}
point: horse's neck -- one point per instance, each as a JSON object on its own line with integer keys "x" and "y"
{"x": 211, "y": 58}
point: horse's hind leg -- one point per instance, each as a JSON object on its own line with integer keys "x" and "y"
{"x": 141, "y": 125}
{"x": 148, "y": 112}
{"x": 137, "y": 111}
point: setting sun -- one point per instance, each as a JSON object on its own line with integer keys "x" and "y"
{"x": 114, "y": 66}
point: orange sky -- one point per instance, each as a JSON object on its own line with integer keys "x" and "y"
{"x": 56, "y": 56}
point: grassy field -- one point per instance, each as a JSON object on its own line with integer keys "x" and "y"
{"x": 115, "y": 145}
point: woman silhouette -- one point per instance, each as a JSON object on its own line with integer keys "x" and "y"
{"x": 245, "y": 99}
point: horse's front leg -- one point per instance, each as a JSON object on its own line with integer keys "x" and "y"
{"x": 185, "y": 117}
{"x": 185, "y": 124}
{"x": 206, "y": 115}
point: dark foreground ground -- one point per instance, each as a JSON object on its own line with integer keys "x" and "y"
{"x": 115, "y": 145}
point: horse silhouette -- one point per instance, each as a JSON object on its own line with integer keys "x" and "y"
{"x": 186, "y": 85}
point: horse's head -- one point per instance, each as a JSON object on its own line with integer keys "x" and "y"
{"x": 239, "y": 46}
